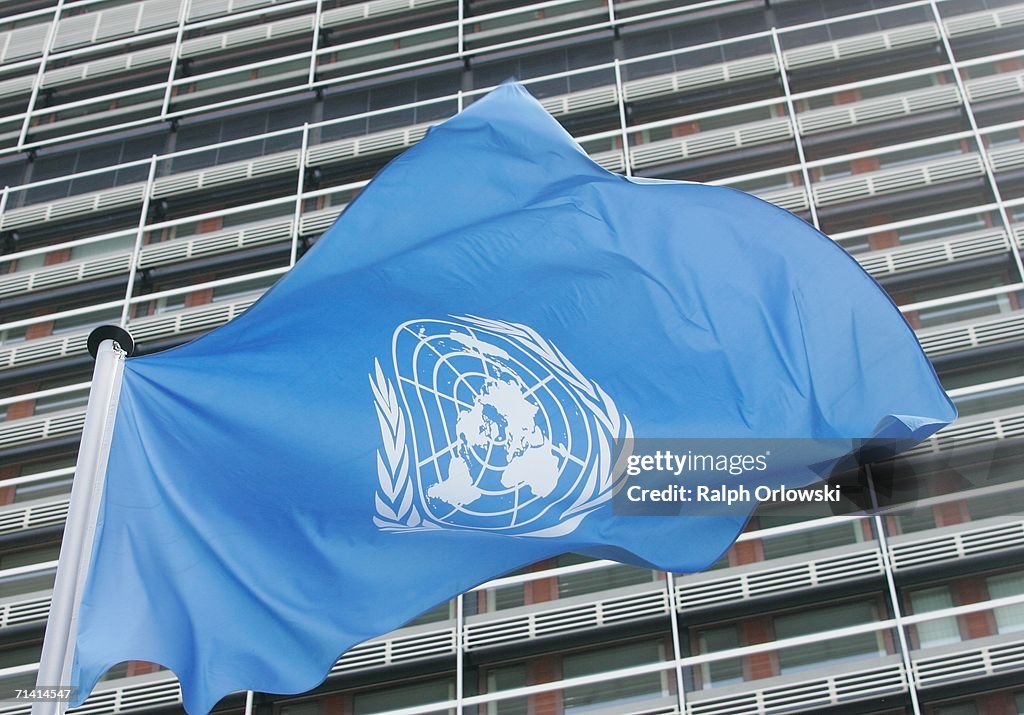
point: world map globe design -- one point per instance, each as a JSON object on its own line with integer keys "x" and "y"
{"x": 500, "y": 441}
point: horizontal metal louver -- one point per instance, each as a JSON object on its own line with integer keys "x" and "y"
{"x": 226, "y": 174}
{"x": 985, "y": 21}
{"x": 200, "y": 9}
{"x": 615, "y": 607}
{"x": 16, "y": 85}
{"x": 996, "y": 535}
{"x": 928, "y": 254}
{"x": 75, "y": 30}
{"x": 710, "y": 142}
{"x": 397, "y": 648}
{"x": 861, "y": 45}
{"x": 973, "y": 333}
{"x": 807, "y": 694}
{"x": 159, "y": 13}
{"x": 581, "y": 101}
{"x": 34, "y": 429}
{"x": 967, "y": 663}
{"x": 247, "y": 35}
{"x": 888, "y": 181}
{"x": 970, "y": 23}
{"x": 963, "y": 433}
{"x": 34, "y": 515}
{"x": 699, "y": 77}
{"x": 874, "y": 110}
{"x": 113, "y": 22}
{"x": 374, "y": 8}
{"x": 316, "y": 222}
{"x": 792, "y": 199}
{"x": 203, "y": 317}
{"x": 394, "y": 140}
{"x": 64, "y": 274}
{"x": 1007, "y": 158}
{"x": 73, "y": 206}
{"x": 182, "y": 249}
{"x": 117, "y": 21}
{"x": 40, "y": 350}
{"x": 983, "y": 89}
{"x": 107, "y": 66}
{"x": 25, "y": 611}
{"x": 611, "y": 160}
{"x": 183, "y": 322}
{"x": 24, "y": 42}
{"x": 164, "y": 691}
{"x": 836, "y": 565}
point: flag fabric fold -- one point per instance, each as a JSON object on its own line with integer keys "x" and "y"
{"x": 438, "y": 392}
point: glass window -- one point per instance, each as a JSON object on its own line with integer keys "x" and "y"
{"x": 827, "y": 651}
{"x": 62, "y": 401}
{"x": 990, "y": 401}
{"x": 965, "y": 310}
{"x": 939, "y": 631}
{"x": 941, "y": 229}
{"x": 237, "y": 290}
{"x": 919, "y": 519}
{"x": 809, "y": 540}
{"x": 49, "y": 465}
{"x": 403, "y": 696}
{"x": 599, "y": 579}
{"x": 588, "y": 698}
{"x": 1008, "y": 618}
{"x": 20, "y": 655}
{"x": 440, "y": 612}
{"x": 898, "y": 87}
{"x": 26, "y": 557}
{"x": 720, "y": 672}
{"x": 487, "y": 73}
{"x": 167, "y": 304}
{"x": 93, "y": 156}
{"x": 1003, "y": 503}
{"x": 12, "y": 335}
{"x": 310, "y": 707}
{"x": 43, "y": 489}
{"x": 956, "y": 709}
{"x": 118, "y": 244}
{"x": 499, "y": 599}
{"x": 199, "y": 133}
{"x": 12, "y": 173}
{"x": 30, "y": 263}
{"x": 27, "y": 583}
{"x": 76, "y": 322}
{"x": 506, "y": 678}
{"x": 920, "y": 154}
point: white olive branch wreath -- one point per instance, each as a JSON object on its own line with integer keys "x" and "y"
{"x": 396, "y": 508}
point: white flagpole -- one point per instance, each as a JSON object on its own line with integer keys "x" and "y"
{"x": 109, "y": 345}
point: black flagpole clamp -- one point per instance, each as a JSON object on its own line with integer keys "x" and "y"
{"x": 116, "y": 333}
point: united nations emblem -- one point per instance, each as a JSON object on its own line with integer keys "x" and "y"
{"x": 490, "y": 428}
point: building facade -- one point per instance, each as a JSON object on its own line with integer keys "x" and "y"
{"x": 164, "y": 161}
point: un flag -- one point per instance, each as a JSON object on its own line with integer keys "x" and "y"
{"x": 442, "y": 389}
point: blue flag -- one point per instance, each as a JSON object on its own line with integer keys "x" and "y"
{"x": 440, "y": 392}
